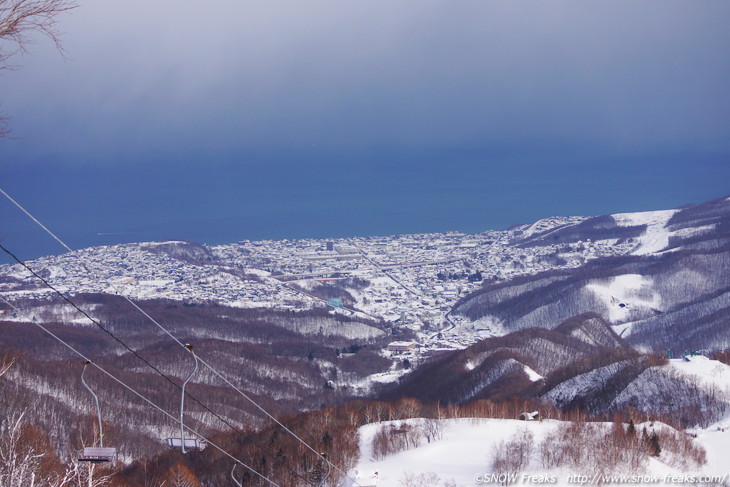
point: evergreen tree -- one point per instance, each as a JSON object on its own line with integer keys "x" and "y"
{"x": 654, "y": 448}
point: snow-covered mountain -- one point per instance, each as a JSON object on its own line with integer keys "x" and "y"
{"x": 671, "y": 291}
{"x": 572, "y": 312}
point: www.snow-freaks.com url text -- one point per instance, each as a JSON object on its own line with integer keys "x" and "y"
{"x": 600, "y": 479}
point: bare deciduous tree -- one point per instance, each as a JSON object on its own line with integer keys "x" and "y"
{"x": 18, "y": 466}
{"x": 4, "y": 131}
{"x": 19, "y": 19}
{"x": 26, "y": 458}
{"x": 410, "y": 479}
{"x": 180, "y": 476}
{"x": 86, "y": 475}
{"x": 433, "y": 429}
{"x": 512, "y": 457}
{"x": 7, "y": 362}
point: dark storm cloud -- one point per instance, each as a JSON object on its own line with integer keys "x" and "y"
{"x": 217, "y": 121}
{"x": 173, "y": 78}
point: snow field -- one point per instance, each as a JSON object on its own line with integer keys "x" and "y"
{"x": 625, "y": 293}
{"x": 534, "y": 376}
{"x": 709, "y": 372}
{"x": 656, "y": 236}
{"x": 463, "y": 456}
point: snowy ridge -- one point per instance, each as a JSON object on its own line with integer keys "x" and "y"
{"x": 676, "y": 295}
{"x": 689, "y": 382}
{"x": 546, "y": 225}
{"x": 656, "y": 236}
{"x": 675, "y": 388}
{"x": 584, "y": 385}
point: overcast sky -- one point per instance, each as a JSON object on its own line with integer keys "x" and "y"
{"x": 230, "y": 120}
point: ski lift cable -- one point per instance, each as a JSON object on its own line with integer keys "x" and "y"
{"x": 329, "y": 471}
{"x": 148, "y": 401}
{"x": 174, "y": 338}
{"x": 75, "y": 306}
{"x": 35, "y": 220}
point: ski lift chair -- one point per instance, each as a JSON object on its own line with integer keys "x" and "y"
{"x": 96, "y": 454}
{"x": 186, "y": 444}
{"x": 192, "y": 444}
{"x": 233, "y": 476}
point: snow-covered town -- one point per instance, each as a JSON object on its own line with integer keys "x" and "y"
{"x": 410, "y": 281}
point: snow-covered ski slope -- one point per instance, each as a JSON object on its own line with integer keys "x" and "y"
{"x": 464, "y": 454}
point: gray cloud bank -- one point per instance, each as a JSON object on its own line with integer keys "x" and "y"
{"x": 174, "y": 78}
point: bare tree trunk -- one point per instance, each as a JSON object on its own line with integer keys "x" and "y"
{"x": 7, "y": 363}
